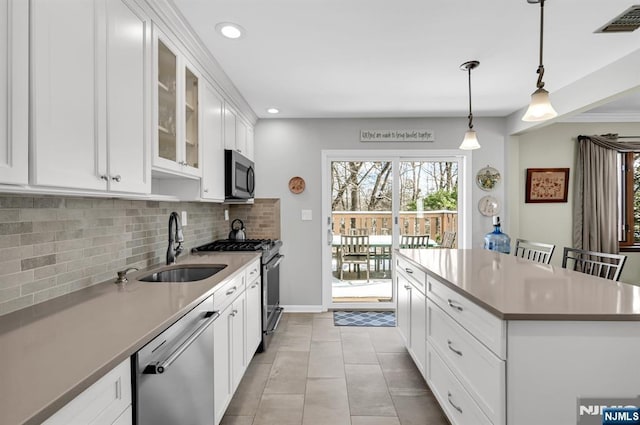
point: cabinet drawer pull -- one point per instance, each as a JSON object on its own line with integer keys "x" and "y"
{"x": 254, "y": 285}
{"x": 233, "y": 313}
{"x": 104, "y": 177}
{"x": 452, "y": 403}
{"x": 450, "y": 344}
{"x": 407, "y": 287}
{"x": 454, "y": 305}
{"x": 231, "y": 291}
{"x": 116, "y": 178}
{"x": 408, "y": 270}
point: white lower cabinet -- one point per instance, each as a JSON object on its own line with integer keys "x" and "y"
{"x": 412, "y": 311}
{"x": 453, "y": 398}
{"x": 253, "y": 316}
{"x": 236, "y": 333}
{"x": 106, "y": 402}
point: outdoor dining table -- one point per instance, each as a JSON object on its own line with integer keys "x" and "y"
{"x": 380, "y": 249}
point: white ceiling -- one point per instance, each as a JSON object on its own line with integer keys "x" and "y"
{"x": 401, "y": 58}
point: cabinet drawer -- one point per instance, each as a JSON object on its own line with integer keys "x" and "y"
{"x": 416, "y": 276}
{"x": 252, "y": 272}
{"x": 486, "y": 327}
{"x": 453, "y": 398}
{"x": 227, "y": 292}
{"x": 101, "y": 403}
{"x": 481, "y": 372}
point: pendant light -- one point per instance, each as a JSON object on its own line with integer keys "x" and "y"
{"x": 470, "y": 140}
{"x": 540, "y": 108}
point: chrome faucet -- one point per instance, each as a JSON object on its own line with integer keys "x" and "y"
{"x": 175, "y": 238}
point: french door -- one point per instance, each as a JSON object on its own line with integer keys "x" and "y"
{"x": 373, "y": 201}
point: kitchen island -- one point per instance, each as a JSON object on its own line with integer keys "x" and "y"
{"x": 503, "y": 340}
{"x": 53, "y": 351}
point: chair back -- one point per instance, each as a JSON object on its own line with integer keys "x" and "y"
{"x": 534, "y": 251}
{"x": 414, "y": 241}
{"x": 448, "y": 239}
{"x": 608, "y": 266}
{"x": 354, "y": 245}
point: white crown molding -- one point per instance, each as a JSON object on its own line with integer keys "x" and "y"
{"x": 595, "y": 117}
{"x": 165, "y": 14}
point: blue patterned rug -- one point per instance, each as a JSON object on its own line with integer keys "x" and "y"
{"x": 364, "y": 318}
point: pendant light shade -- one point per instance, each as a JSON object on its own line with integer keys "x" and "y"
{"x": 540, "y": 108}
{"x": 470, "y": 140}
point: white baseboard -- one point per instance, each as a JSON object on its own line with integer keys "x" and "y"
{"x": 302, "y": 308}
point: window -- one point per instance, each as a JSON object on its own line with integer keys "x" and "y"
{"x": 629, "y": 200}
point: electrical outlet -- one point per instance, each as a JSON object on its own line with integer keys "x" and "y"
{"x": 226, "y": 215}
{"x": 183, "y": 219}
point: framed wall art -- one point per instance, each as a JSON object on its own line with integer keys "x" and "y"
{"x": 547, "y": 185}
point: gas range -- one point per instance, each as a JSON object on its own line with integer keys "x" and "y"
{"x": 269, "y": 247}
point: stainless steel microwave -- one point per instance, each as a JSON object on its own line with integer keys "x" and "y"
{"x": 240, "y": 177}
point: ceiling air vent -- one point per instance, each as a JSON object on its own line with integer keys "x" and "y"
{"x": 628, "y": 21}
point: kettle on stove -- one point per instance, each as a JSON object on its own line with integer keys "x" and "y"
{"x": 237, "y": 231}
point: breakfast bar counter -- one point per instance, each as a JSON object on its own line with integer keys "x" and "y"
{"x": 513, "y": 288}
{"x": 504, "y": 340}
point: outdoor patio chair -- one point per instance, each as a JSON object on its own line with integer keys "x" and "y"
{"x": 608, "y": 266}
{"x": 448, "y": 239}
{"x": 354, "y": 250}
{"x": 414, "y": 241}
{"x": 534, "y": 251}
{"x": 359, "y": 232}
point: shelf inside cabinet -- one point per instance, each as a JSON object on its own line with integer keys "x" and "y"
{"x": 163, "y": 87}
{"x": 163, "y": 130}
{"x": 188, "y": 107}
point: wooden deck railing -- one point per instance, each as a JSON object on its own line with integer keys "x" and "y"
{"x": 432, "y": 223}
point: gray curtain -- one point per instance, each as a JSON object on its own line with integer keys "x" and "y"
{"x": 595, "y": 198}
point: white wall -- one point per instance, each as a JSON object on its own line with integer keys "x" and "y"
{"x": 292, "y": 147}
{"x": 555, "y": 146}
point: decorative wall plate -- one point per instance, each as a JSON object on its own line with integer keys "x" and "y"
{"x": 487, "y": 178}
{"x": 489, "y": 206}
{"x": 296, "y": 185}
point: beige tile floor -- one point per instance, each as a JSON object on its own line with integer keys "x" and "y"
{"x": 315, "y": 373}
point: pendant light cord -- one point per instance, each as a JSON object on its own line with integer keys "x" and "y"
{"x": 470, "y": 114}
{"x": 540, "y": 70}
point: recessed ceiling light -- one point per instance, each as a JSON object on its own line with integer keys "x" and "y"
{"x": 230, "y": 30}
{"x": 273, "y": 110}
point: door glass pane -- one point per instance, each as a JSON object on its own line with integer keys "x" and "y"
{"x": 166, "y": 103}
{"x": 361, "y": 203}
{"x": 191, "y": 118}
{"x": 428, "y": 202}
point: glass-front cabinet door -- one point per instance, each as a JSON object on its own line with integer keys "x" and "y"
{"x": 167, "y": 101}
{"x": 178, "y": 96}
{"x": 191, "y": 110}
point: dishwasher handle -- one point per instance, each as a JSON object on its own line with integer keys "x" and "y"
{"x": 161, "y": 366}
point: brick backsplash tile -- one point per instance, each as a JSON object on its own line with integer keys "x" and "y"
{"x": 32, "y": 263}
{"x": 7, "y": 216}
{"x": 16, "y": 304}
{"x": 51, "y": 246}
{"x": 15, "y": 228}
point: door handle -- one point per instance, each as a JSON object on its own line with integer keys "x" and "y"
{"x": 161, "y": 366}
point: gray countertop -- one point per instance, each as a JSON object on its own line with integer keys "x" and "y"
{"x": 52, "y": 351}
{"x": 513, "y": 288}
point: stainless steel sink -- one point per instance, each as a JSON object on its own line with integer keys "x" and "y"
{"x": 190, "y": 273}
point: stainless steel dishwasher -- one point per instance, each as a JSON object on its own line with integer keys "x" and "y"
{"x": 174, "y": 372}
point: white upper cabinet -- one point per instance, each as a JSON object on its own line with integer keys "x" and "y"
{"x": 212, "y": 145}
{"x": 238, "y": 135}
{"x": 90, "y": 95}
{"x": 128, "y": 96}
{"x": 14, "y": 91}
{"x": 177, "y": 114}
